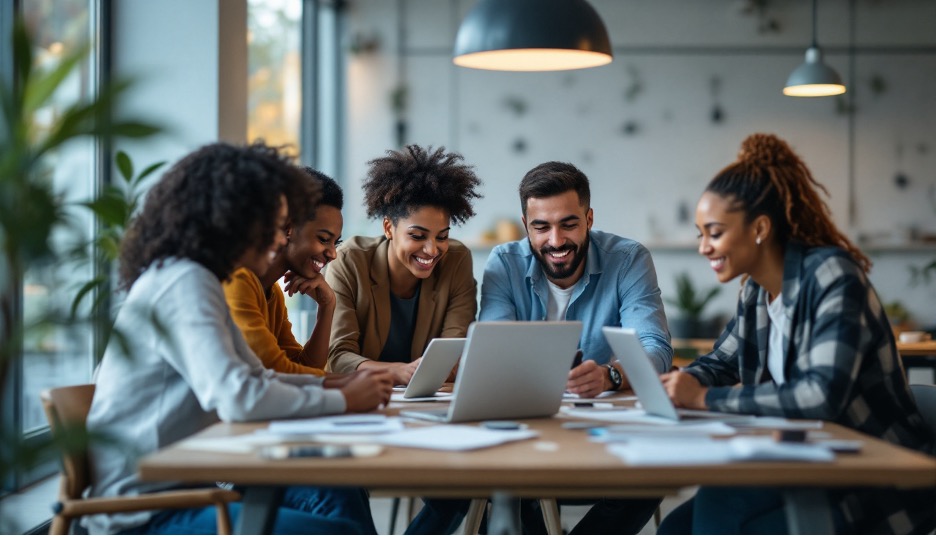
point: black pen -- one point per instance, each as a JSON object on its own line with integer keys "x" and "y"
{"x": 577, "y": 360}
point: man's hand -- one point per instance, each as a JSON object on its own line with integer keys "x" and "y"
{"x": 588, "y": 380}
{"x": 367, "y": 390}
{"x": 314, "y": 287}
{"x": 684, "y": 390}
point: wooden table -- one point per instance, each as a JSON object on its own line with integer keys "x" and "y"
{"x": 560, "y": 463}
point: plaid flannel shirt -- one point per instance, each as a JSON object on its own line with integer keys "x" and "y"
{"x": 840, "y": 365}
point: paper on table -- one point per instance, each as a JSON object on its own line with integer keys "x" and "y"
{"x": 605, "y": 394}
{"x": 438, "y": 397}
{"x": 339, "y": 424}
{"x": 637, "y": 416}
{"x": 453, "y": 437}
{"x": 626, "y": 432}
{"x": 673, "y": 451}
{"x": 778, "y": 423}
{"x": 239, "y": 444}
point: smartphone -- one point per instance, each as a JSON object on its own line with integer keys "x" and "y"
{"x": 282, "y": 452}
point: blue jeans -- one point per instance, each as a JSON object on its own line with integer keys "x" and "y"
{"x": 439, "y": 516}
{"x": 303, "y": 510}
{"x": 728, "y": 511}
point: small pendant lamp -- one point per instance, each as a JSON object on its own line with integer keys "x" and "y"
{"x": 532, "y": 35}
{"x": 813, "y": 78}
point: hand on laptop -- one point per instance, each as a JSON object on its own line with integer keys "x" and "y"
{"x": 367, "y": 390}
{"x": 403, "y": 372}
{"x": 684, "y": 390}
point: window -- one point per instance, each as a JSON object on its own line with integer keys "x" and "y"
{"x": 54, "y": 355}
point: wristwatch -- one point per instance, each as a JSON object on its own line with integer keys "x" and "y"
{"x": 615, "y": 376}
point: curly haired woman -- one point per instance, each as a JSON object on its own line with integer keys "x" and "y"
{"x": 218, "y": 209}
{"x": 398, "y": 291}
{"x": 809, "y": 341}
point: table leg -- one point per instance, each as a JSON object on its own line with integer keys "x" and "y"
{"x": 808, "y": 511}
{"x": 258, "y": 513}
{"x": 505, "y": 514}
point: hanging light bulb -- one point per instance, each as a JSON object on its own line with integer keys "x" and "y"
{"x": 532, "y": 35}
{"x": 813, "y": 78}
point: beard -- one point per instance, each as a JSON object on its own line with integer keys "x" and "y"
{"x": 567, "y": 268}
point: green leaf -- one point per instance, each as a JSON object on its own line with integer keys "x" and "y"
{"x": 39, "y": 89}
{"x": 112, "y": 210}
{"x": 22, "y": 51}
{"x": 97, "y": 282}
{"x": 134, "y": 129}
{"x": 125, "y": 166}
{"x": 148, "y": 171}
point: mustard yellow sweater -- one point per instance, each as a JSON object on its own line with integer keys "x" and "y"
{"x": 264, "y": 323}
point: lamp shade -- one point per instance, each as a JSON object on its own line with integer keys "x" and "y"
{"x": 532, "y": 35}
{"x": 813, "y": 78}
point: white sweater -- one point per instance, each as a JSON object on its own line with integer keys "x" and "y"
{"x": 190, "y": 367}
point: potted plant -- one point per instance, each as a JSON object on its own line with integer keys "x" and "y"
{"x": 688, "y": 323}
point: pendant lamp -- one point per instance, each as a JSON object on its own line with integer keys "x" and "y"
{"x": 813, "y": 78}
{"x": 532, "y": 35}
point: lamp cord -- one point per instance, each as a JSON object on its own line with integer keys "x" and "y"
{"x": 814, "y": 11}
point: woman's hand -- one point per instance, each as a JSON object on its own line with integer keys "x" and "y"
{"x": 314, "y": 287}
{"x": 684, "y": 390}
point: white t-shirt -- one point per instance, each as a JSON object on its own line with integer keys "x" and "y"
{"x": 778, "y": 322}
{"x": 558, "y": 302}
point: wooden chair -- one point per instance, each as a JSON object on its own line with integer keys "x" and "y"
{"x": 67, "y": 408}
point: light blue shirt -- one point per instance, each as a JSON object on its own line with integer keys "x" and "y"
{"x": 617, "y": 288}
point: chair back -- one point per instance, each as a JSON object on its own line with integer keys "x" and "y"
{"x": 925, "y": 396}
{"x": 67, "y": 409}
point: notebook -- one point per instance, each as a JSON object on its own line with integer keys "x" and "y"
{"x": 510, "y": 370}
{"x": 645, "y": 380}
{"x": 437, "y": 362}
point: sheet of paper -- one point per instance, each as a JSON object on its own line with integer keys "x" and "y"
{"x": 623, "y": 415}
{"x": 339, "y": 424}
{"x": 606, "y": 394}
{"x": 240, "y": 444}
{"x": 453, "y": 437}
{"x": 438, "y": 397}
{"x": 675, "y": 451}
{"x": 627, "y": 432}
{"x": 779, "y": 423}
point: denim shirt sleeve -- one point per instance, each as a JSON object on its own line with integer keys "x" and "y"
{"x": 641, "y": 308}
{"x": 496, "y": 300}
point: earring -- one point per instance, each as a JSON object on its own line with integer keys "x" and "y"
{"x": 757, "y": 240}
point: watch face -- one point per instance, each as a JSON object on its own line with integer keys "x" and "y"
{"x": 615, "y": 375}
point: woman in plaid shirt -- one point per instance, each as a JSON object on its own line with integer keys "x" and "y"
{"x": 810, "y": 340}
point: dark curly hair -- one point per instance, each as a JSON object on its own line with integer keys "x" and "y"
{"x": 406, "y": 180}
{"x": 332, "y": 195}
{"x": 212, "y": 206}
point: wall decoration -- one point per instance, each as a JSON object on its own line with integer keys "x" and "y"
{"x": 766, "y": 22}
{"x": 516, "y": 104}
{"x": 630, "y": 128}
{"x": 519, "y": 146}
{"x": 634, "y": 86}
{"x": 362, "y": 43}
{"x": 717, "y": 115}
{"x": 901, "y": 180}
{"x": 878, "y": 85}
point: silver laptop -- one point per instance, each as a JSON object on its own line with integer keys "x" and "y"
{"x": 645, "y": 380}
{"x": 437, "y": 362}
{"x": 510, "y": 370}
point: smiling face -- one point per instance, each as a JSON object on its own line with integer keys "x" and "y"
{"x": 729, "y": 243}
{"x": 557, "y": 228}
{"x": 312, "y": 245}
{"x": 417, "y": 243}
{"x": 260, "y": 259}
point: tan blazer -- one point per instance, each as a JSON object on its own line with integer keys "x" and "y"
{"x": 360, "y": 277}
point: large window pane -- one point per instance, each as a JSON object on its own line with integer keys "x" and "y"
{"x": 54, "y": 355}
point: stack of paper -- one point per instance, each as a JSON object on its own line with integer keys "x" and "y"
{"x": 339, "y": 424}
{"x": 453, "y": 437}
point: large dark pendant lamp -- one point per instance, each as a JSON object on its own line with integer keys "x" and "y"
{"x": 813, "y": 78}
{"x": 532, "y": 35}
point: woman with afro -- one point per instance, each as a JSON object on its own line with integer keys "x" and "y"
{"x": 398, "y": 291}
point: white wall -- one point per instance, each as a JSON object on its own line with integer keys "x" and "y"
{"x": 639, "y": 181}
{"x": 189, "y": 59}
